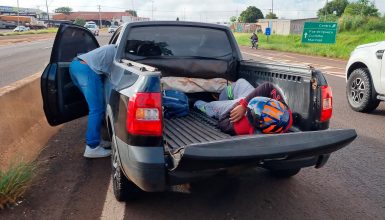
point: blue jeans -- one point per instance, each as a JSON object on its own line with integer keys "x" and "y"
{"x": 91, "y": 85}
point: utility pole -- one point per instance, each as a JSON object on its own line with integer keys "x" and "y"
{"x": 326, "y": 9}
{"x": 18, "y": 13}
{"x": 272, "y": 6}
{"x": 100, "y": 19}
{"x": 152, "y": 10}
{"x": 46, "y": 4}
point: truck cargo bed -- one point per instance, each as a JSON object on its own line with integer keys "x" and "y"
{"x": 194, "y": 128}
{"x": 196, "y": 143}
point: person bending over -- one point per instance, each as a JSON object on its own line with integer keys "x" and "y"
{"x": 86, "y": 71}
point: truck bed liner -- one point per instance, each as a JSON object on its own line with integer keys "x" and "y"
{"x": 194, "y": 128}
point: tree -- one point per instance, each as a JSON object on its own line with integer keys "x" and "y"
{"x": 233, "y": 19}
{"x": 271, "y": 15}
{"x": 329, "y": 18}
{"x": 80, "y": 21}
{"x": 336, "y": 7}
{"x": 250, "y": 15}
{"x": 64, "y": 10}
{"x": 362, "y": 7}
{"x": 132, "y": 12}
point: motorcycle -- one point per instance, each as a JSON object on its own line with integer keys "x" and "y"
{"x": 254, "y": 44}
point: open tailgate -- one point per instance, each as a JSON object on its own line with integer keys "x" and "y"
{"x": 257, "y": 148}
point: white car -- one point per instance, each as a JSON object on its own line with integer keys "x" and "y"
{"x": 365, "y": 77}
{"x": 92, "y": 27}
{"x": 21, "y": 29}
{"x": 112, "y": 28}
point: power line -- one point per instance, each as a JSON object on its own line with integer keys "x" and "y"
{"x": 197, "y": 11}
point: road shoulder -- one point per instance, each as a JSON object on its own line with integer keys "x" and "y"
{"x": 67, "y": 185}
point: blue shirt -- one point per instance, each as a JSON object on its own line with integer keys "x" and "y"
{"x": 100, "y": 60}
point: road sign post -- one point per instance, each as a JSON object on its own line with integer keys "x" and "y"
{"x": 319, "y": 32}
{"x": 268, "y": 33}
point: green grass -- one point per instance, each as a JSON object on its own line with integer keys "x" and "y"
{"x": 14, "y": 182}
{"x": 43, "y": 31}
{"x": 346, "y": 42}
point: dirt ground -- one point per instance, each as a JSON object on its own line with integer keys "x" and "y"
{"x": 6, "y": 40}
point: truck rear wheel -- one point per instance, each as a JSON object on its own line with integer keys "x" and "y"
{"x": 284, "y": 173}
{"x": 360, "y": 91}
{"x": 124, "y": 189}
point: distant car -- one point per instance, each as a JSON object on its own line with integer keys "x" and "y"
{"x": 112, "y": 28}
{"x": 90, "y": 22}
{"x": 93, "y": 28}
{"x": 365, "y": 77}
{"x": 21, "y": 29}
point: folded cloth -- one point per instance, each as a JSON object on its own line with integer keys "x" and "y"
{"x": 192, "y": 85}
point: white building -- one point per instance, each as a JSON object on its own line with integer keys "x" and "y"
{"x": 285, "y": 26}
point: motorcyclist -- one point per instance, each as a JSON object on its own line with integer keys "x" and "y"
{"x": 254, "y": 41}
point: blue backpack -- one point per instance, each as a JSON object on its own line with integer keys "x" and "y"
{"x": 175, "y": 104}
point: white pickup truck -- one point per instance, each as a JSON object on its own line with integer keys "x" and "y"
{"x": 365, "y": 76}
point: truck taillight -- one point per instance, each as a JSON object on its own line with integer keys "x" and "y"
{"x": 327, "y": 103}
{"x": 144, "y": 114}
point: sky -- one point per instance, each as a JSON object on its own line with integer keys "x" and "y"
{"x": 201, "y": 10}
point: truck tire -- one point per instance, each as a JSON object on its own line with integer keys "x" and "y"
{"x": 360, "y": 91}
{"x": 284, "y": 173}
{"x": 124, "y": 189}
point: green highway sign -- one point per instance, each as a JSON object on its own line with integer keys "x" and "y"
{"x": 319, "y": 32}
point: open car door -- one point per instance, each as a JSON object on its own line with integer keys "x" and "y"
{"x": 62, "y": 100}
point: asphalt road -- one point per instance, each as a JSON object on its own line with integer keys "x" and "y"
{"x": 350, "y": 186}
{"x": 19, "y": 60}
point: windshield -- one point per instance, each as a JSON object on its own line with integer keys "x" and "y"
{"x": 177, "y": 41}
{"x": 90, "y": 26}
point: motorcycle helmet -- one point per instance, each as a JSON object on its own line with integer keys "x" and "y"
{"x": 269, "y": 115}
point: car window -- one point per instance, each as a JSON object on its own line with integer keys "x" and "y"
{"x": 115, "y": 36}
{"x": 74, "y": 41}
{"x": 161, "y": 41}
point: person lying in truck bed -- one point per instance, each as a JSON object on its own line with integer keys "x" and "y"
{"x": 243, "y": 109}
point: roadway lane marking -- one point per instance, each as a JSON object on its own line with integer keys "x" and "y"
{"x": 331, "y": 67}
{"x": 112, "y": 209}
{"x": 337, "y": 74}
{"x": 274, "y": 59}
{"x": 304, "y": 55}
